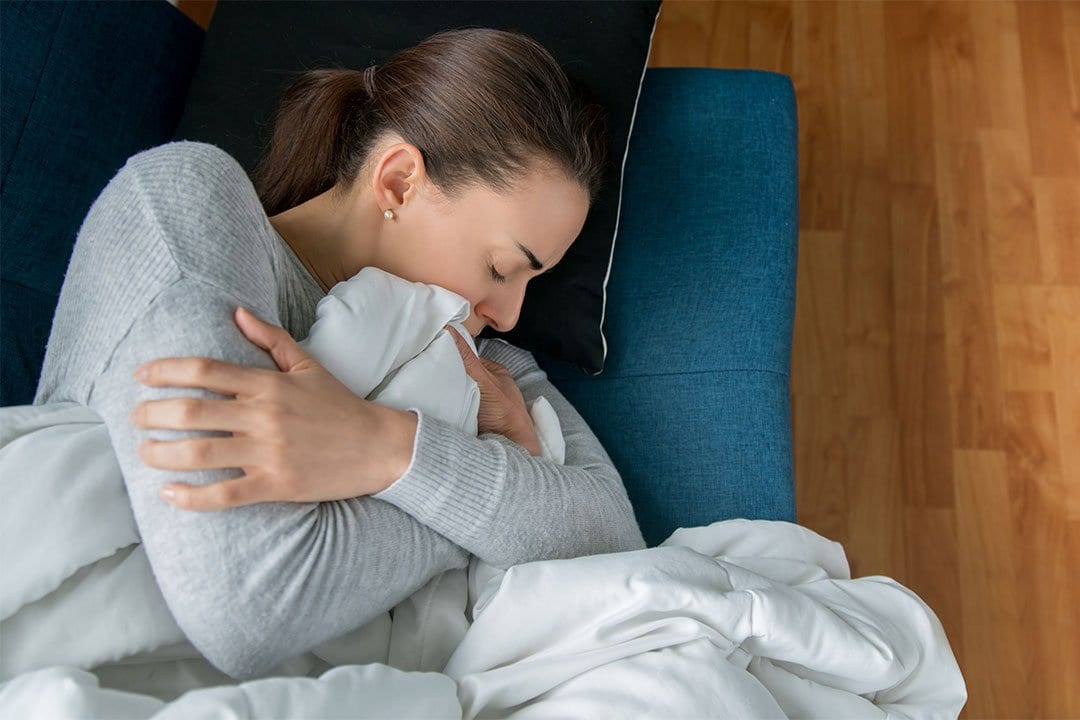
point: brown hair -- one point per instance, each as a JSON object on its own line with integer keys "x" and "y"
{"x": 482, "y": 106}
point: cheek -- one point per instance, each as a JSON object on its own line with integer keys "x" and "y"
{"x": 471, "y": 287}
{"x": 435, "y": 258}
{"x": 464, "y": 276}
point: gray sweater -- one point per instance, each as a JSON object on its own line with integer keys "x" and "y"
{"x": 172, "y": 245}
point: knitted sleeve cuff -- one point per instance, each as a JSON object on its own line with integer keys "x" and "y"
{"x": 453, "y": 481}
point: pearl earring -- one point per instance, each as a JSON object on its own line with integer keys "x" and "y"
{"x": 389, "y": 214}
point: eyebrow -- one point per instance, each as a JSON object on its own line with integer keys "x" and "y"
{"x": 533, "y": 262}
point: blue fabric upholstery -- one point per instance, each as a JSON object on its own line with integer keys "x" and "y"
{"x": 86, "y": 85}
{"x": 693, "y": 404}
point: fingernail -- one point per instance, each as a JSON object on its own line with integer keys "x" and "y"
{"x": 168, "y": 493}
{"x": 140, "y": 373}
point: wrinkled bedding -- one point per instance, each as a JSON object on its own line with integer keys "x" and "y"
{"x": 735, "y": 619}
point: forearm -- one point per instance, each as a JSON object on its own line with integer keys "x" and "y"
{"x": 493, "y": 498}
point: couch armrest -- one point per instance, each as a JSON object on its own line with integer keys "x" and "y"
{"x": 693, "y": 404}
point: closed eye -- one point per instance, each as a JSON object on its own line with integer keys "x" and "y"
{"x": 496, "y": 276}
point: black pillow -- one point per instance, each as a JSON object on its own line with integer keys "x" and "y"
{"x": 253, "y": 51}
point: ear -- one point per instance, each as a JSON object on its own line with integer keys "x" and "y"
{"x": 398, "y": 175}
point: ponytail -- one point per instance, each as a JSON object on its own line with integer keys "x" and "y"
{"x": 315, "y": 124}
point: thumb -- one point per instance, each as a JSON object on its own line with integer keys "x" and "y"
{"x": 494, "y": 367}
{"x": 287, "y": 354}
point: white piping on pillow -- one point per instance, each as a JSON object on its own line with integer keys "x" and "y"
{"x": 622, "y": 180}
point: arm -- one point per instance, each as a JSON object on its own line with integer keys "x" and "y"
{"x": 493, "y": 498}
{"x": 254, "y": 585}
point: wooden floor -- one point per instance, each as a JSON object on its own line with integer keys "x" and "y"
{"x": 936, "y": 366}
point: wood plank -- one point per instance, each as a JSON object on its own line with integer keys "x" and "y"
{"x": 874, "y": 497}
{"x": 683, "y": 34}
{"x": 729, "y": 43}
{"x": 932, "y": 565}
{"x": 863, "y": 87}
{"x": 910, "y": 104}
{"x": 1071, "y": 29}
{"x": 755, "y": 36}
{"x": 1050, "y": 112}
{"x": 1064, "y": 332}
{"x": 1066, "y": 668}
{"x": 1010, "y": 205}
{"x": 1057, "y": 215}
{"x": 997, "y": 651}
{"x": 815, "y": 76}
{"x": 1032, "y": 453}
{"x": 1023, "y": 337}
{"x": 998, "y": 66}
{"x": 770, "y": 36}
{"x": 922, "y": 380}
{"x": 971, "y": 346}
{"x": 1038, "y": 503}
{"x": 868, "y": 316}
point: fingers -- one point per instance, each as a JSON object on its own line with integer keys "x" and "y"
{"x": 198, "y": 453}
{"x": 494, "y": 367}
{"x": 190, "y": 413}
{"x": 217, "y": 376}
{"x": 223, "y": 377}
{"x": 473, "y": 366}
{"x": 216, "y": 496}
{"x": 287, "y": 353}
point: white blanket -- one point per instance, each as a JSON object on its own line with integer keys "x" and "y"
{"x": 736, "y": 619}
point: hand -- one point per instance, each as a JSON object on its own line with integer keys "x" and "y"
{"x": 299, "y": 434}
{"x": 502, "y": 406}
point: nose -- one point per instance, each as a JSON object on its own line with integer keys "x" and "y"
{"x": 503, "y": 312}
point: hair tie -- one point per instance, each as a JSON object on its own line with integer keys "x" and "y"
{"x": 369, "y": 79}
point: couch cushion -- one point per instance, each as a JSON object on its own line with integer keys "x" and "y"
{"x": 253, "y": 50}
{"x": 86, "y": 85}
{"x": 702, "y": 304}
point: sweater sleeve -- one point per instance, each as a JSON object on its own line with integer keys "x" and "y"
{"x": 256, "y": 585}
{"x": 502, "y": 504}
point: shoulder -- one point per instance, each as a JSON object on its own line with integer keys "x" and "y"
{"x": 190, "y": 180}
{"x": 162, "y": 164}
{"x": 207, "y": 209}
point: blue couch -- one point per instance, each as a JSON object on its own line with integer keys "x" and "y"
{"x": 693, "y": 402}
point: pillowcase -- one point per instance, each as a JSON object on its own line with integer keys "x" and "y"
{"x": 254, "y": 50}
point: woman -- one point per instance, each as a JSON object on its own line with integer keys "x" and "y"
{"x": 299, "y": 511}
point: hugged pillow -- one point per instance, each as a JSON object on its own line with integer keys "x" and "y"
{"x": 254, "y": 50}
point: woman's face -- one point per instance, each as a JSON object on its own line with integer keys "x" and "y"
{"x": 458, "y": 244}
